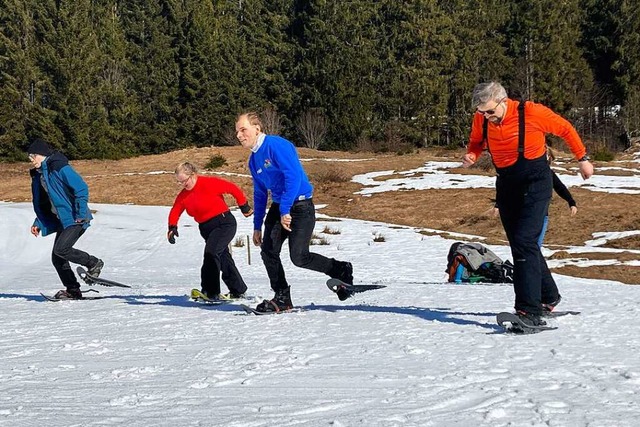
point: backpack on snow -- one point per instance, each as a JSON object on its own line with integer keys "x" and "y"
{"x": 472, "y": 262}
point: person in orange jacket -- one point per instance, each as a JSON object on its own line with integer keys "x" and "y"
{"x": 524, "y": 184}
{"x": 202, "y": 198}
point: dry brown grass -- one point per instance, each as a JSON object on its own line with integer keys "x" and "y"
{"x": 454, "y": 210}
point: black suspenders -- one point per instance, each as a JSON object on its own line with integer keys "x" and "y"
{"x": 485, "y": 131}
{"x": 521, "y": 128}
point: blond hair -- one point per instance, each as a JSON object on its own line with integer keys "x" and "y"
{"x": 186, "y": 168}
{"x": 252, "y": 117}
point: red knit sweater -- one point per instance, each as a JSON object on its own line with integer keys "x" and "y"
{"x": 205, "y": 200}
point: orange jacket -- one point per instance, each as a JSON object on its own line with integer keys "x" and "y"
{"x": 503, "y": 137}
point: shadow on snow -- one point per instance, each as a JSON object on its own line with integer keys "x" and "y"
{"x": 443, "y": 315}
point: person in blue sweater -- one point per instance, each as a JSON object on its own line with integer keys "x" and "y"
{"x": 276, "y": 168}
{"x": 60, "y": 201}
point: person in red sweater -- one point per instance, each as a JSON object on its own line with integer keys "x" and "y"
{"x": 514, "y": 134}
{"x": 202, "y": 198}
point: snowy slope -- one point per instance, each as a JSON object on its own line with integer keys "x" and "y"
{"x": 412, "y": 354}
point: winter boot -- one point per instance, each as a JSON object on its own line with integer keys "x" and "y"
{"x": 342, "y": 271}
{"x": 212, "y": 296}
{"x": 69, "y": 293}
{"x": 281, "y": 301}
{"x": 530, "y": 319}
{"x": 96, "y": 268}
{"x": 549, "y": 307}
{"x": 230, "y": 296}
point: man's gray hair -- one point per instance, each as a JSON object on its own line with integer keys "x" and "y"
{"x": 485, "y": 92}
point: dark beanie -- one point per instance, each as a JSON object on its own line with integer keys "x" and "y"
{"x": 40, "y": 146}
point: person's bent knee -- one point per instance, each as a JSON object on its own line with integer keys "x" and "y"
{"x": 61, "y": 252}
{"x": 300, "y": 259}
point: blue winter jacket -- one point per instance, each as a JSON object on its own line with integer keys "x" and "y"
{"x": 67, "y": 192}
{"x": 276, "y": 167}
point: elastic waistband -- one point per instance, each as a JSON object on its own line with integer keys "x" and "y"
{"x": 523, "y": 165}
{"x": 217, "y": 217}
{"x": 305, "y": 200}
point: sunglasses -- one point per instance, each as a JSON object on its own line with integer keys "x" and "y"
{"x": 184, "y": 181}
{"x": 489, "y": 112}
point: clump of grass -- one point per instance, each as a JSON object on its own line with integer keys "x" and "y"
{"x": 378, "y": 237}
{"x": 318, "y": 240}
{"x": 328, "y": 220}
{"x": 603, "y": 155}
{"x": 215, "y": 162}
{"x": 239, "y": 242}
{"x": 329, "y": 230}
{"x": 331, "y": 176}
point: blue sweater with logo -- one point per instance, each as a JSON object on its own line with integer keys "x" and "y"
{"x": 276, "y": 167}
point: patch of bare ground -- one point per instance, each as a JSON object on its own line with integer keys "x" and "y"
{"x": 620, "y": 273}
{"x": 149, "y": 180}
{"x": 630, "y": 242}
{"x": 621, "y": 172}
{"x": 618, "y": 256}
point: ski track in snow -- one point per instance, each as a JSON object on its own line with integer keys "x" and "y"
{"x": 411, "y": 354}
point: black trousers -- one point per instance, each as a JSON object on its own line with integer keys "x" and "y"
{"x": 303, "y": 220}
{"x": 523, "y": 193}
{"x": 64, "y": 252}
{"x": 218, "y": 233}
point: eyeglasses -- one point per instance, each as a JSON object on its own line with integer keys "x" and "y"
{"x": 492, "y": 111}
{"x": 184, "y": 181}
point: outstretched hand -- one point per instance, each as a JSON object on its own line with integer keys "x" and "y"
{"x": 172, "y": 234}
{"x": 468, "y": 160}
{"x": 586, "y": 169}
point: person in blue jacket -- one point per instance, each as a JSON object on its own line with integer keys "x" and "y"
{"x": 275, "y": 167}
{"x": 60, "y": 201}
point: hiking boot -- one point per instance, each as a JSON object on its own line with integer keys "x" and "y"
{"x": 234, "y": 295}
{"x": 96, "y": 268}
{"x": 69, "y": 294}
{"x": 530, "y": 319}
{"x": 212, "y": 296}
{"x": 549, "y": 307}
{"x": 231, "y": 296}
{"x": 343, "y": 293}
{"x": 281, "y": 301}
{"x": 342, "y": 271}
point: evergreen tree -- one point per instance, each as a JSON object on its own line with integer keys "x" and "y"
{"x": 336, "y": 65}
{"x": 149, "y": 27}
{"x": 543, "y": 36}
{"x": 113, "y": 126}
{"x": 600, "y": 38}
{"x": 17, "y": 76}
{"x": 67, "y": 55}
{"x": 480, "y": 56}
{"x": 628, "y": 65}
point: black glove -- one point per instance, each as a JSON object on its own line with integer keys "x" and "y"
{"x": 246, "y": 210}
{"x": 172, "y": 234}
